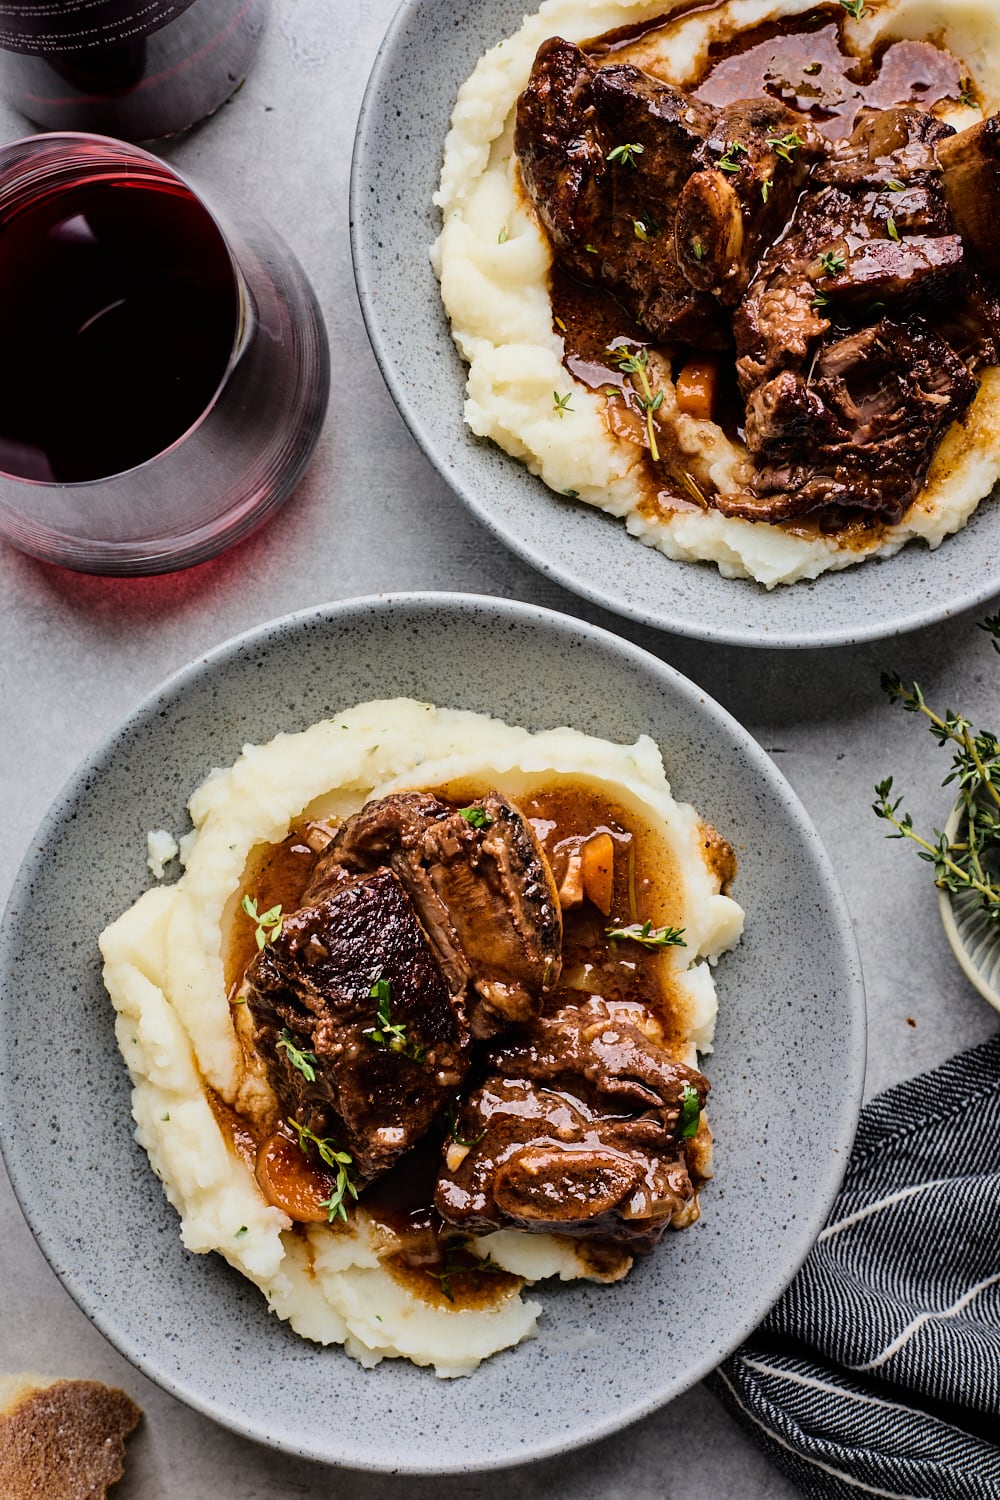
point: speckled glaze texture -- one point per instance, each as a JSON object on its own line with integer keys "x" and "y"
{"x": 786, "y": 1071}
{"x": 427, "y": 54}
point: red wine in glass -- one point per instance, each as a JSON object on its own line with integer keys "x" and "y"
{"x": 138, "y": 69}
{"x": 168, "y": 365}
{"x": 119, "y": 313}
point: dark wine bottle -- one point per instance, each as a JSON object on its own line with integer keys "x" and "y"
{"x": 136, "y": 69}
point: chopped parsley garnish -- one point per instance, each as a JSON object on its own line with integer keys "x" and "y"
{"x": 389, "y": 1033}
{"x": 304, "y": 1062}
{"x": 647, "y": 935}
{"x": 268, "y": 923}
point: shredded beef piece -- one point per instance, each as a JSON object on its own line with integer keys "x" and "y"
{"x": 672, "y": 231}
{"x": 575, "y": 1129}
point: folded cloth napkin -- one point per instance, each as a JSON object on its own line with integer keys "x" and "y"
{"x": 878, "y": 1372}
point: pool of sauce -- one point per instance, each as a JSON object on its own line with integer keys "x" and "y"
{"x": 806, "y": 63}
{"x": 646, "y": 884}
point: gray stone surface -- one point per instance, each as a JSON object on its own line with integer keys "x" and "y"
{"x": 78, "y": 653}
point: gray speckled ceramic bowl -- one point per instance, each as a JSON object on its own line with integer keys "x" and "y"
{"x": 786, "y": 1072}
{"x": 429, "y": 51}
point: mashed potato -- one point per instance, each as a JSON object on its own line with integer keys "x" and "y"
{"x": 165, "y": 973}
{"x": 493, "y": 260}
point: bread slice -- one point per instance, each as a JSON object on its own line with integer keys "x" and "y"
{"x": 61, "y": 1439}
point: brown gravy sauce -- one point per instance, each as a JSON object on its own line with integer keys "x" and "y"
{"x": 646, "y": 884}
{"x": 805, "y": 62}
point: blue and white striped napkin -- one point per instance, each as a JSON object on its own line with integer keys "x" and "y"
{"x": 878, "y": 1372}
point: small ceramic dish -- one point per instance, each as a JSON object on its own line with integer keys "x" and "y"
{"x": 427, "y": 54}
{"x": 786, "y": 1072}
{"x": 974, "y": 937}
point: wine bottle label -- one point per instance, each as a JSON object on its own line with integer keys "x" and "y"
{"x": 55, "y": 26}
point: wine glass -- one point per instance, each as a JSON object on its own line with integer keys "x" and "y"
{"x": 171, "y": 359}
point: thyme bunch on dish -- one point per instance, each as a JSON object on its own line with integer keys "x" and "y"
{"x": 971, "y": 860}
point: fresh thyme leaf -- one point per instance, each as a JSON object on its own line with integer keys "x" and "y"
{"x": 561, "y": 403}
{"x": 967, "y": 96}
{"x": 503, "y": 236}
{"x": 638, "y": 365}
{"x": 648, "y": 935}
{"x": 890, "y": 225}
{"x": 458, "y": 1260}
{"x": 786, "y": 146}
{"x": 453, "y": 1129}
{"x": 268, "y": 923}
{"x": 640, "y": 231}
{"x": 698, "y": 249}
{"x": 765, "y": 188}
{"x": 626, "y": 154}
{"x": 895, "y": 186}
{"x": 305, "y": 1062}
{"x": 728, "y": 161}
{"x": 970, "y": 861}
{"x": 856, "y": 8}
{"x": 388, "y": 1033}
{"x": 832, "y": 262}
{"x": 478, "y": 816}
{"x": 820, "y": 300}
{"x": 338, "y": 1161}
{"x": 572, "y": 494}
{"x": 690, "y": 1113}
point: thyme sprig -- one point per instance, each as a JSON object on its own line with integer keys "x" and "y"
{"x": 647, "y": 935}
{"x": 453, "y": 1129}
{"x": 856, "y": 8}
{"x": 626, "y": 154}
{"x": 338, "y": 1161}
{"x": 305, "y": 1062}
{"x": 729, "y": 160}
{"x": 649, "y": 402}
{"x": 389, "y": 1033}
{"x": 458, "y": 1260}
{"x": 786, "y": 146}
{"x": 970, "y": 861}
{"x": 268, "y": 923}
